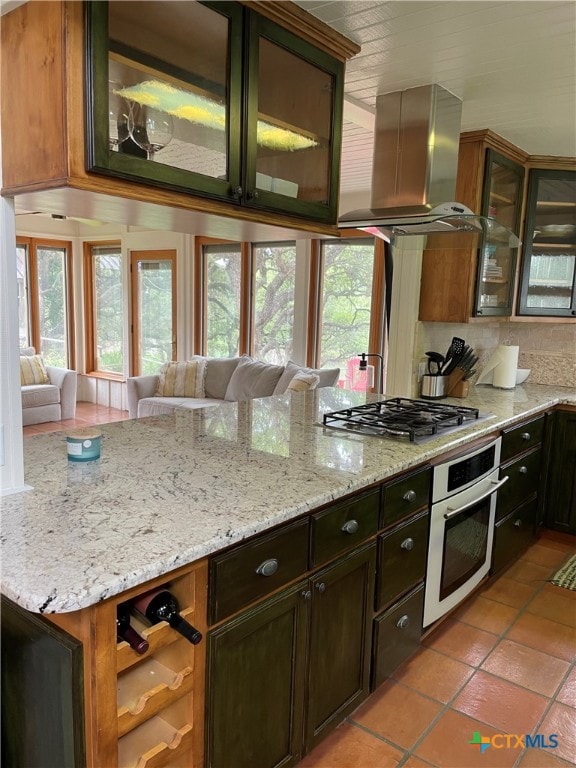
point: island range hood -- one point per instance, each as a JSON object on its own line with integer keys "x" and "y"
{"x": 416, "y": 140}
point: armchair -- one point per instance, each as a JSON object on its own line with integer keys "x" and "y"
{"x": 54, "y": 401}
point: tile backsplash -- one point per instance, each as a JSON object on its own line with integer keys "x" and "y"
{"x": 548, "y": 349}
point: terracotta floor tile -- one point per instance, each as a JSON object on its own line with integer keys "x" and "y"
{"x": 528, "y": 573}
{"x": 557, "y": 540}
{"x": 509, "y": 592}
{"x": 415, "y": 762}
{"x": 502, "y": 704}
{"x": 552, "y": 604}
{"x": 542, "y": 758}
{"x": 351, "y": 747}
{"x": 462, "y": 641}
{"x": 398, "y": 713}
{"x": 447, "y": 745}
{"x": 434, "y": 674}
{"x": 544, "y": 635}
{"x": 541, "y": 554}
{"x": 527, "y": 667}
{"x": 560, "y": 720}
{"x": 486, "y": 614}
{"x": 567, "y": 694}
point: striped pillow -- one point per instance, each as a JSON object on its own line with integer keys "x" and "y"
{"x": 32, "y": 370}
{"x": 303, "y": 381}
{"x": 182, "y": 379}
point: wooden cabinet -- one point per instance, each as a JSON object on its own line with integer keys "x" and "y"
{"x": 234, "y": 137}
{"x": 298, "y": 662}
{"x": 560, "y": 512}
{"x": 466, "y": 275}
{"x": 548, "y": 272}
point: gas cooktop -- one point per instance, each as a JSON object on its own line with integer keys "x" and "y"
{"x": 402, "y": 418}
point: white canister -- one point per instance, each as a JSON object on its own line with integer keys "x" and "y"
{"x": 83, "y": 444}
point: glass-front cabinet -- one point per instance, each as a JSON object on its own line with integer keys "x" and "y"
{"x": 501, "y": 200}
{"x": 548, "y": 274}
{"x": 216, "y": 100}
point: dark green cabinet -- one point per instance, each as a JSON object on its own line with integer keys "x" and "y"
{"x": 284, "y": 672}
{"x": 560, "y": 512}
{"x": 514, "y": 534}
{"x": 208, "y": 108}
{"x": 548, "y": 271}
{"x": 42, "y": 693}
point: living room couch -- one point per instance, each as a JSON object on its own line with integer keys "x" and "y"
{"x": 51, "y": 396}
{"x": 232, "y": 379}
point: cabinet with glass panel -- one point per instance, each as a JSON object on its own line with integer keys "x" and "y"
{"x": 548, "y": 271}
{"x": 214, "y": 99}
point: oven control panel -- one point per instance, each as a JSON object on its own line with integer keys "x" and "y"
{"x": 462, "y": 472}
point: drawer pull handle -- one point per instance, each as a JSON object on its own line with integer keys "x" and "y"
{"x": 409, "y": 496}
{"x": 268, "y": 567}
{"x": 526, "y": 435}
{"x": 321, "y": 587}
{"x": 350, "y": 526}
{"x": 408, "y": 544}
{"x": 403, "y": 622}
{"x": 306, "y": 594}
{"x": 523, "y": 470}
{"x": 518, "y": 523}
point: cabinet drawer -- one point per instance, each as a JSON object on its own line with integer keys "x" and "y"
{"x": 344, "y": 526}
{"x": 397, "y": 635}
{"x": 513, "y": 534}
{"x": 401, "y": 559}
{"x": 405, "y": 496}
{"x": 524, "y": 479}
{"x": 518, "y": 439}
{"x": 256, "y": 568}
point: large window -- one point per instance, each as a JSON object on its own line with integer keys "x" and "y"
{"x": 274, "y": 269}
{"x": 105, "y": 308}
{"x": 45, "y": 298}
{"x": 222, "y": 299}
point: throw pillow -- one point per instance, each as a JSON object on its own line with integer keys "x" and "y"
{"x": 184, "y": 379}
{"x": 218, "y": 373}
{"x": 290, "y": 371}
{"x": 32, "y": 370}
{"x": 252, "y": 378}
{"x": 302, "y": 382}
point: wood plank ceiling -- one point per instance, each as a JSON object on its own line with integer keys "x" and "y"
{"x": 513, "y": 64}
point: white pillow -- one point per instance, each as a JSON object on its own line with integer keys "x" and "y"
{"x": 184, "y": 379}
{"x": 302, "y": 382}
{"x": 252, "y": 378}
{"x": 32, "y": 370}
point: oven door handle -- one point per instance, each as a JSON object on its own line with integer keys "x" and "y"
{"x": 496, "y": 483}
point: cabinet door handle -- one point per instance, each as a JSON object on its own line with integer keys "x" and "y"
{"x": 306, "y": 594}
{"x": 268, "y": 567}
{"x": 518, "y": 523}
{"x": 403, "y": 622}
{"x": 237, "y": 192}
{"x": 350, "y": 526}
{"x": 321, "y": 587}
{"x": 252, "y": 195}
{"x": 526, "y": 435}
{"x": 409, "y": 496}
{"x": 407, "y": 544}
{"x": 523, "y": 470}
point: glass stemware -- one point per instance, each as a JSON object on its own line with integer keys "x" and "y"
{"x": 117, "y": 116}
{"x": 151, "y": 129}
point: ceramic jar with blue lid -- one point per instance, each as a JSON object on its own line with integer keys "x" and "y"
{"x": 83, "y": 444}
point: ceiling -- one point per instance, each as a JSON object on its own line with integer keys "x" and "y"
{"x": 513, "y": 64}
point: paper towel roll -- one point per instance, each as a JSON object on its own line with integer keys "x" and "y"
{"x": 501, "y": 368}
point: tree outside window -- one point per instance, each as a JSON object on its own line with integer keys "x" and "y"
{"x": 274, "y": 285}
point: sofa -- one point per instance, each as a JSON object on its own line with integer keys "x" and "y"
{"x": 210, "y": 381}
{"x": 48, "y": 392}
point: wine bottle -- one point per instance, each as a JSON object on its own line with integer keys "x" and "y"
{"x": 160, "y": 605}
{"x": 125, "y": 631}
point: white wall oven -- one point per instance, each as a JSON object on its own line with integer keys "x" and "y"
{"x": 464, "y": 492}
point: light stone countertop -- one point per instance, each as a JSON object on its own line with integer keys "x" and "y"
{"x": 169, "y": 490}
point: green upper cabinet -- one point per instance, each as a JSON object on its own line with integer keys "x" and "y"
{"x": 502, "y": 200}
{"x": 548, "y": 273}
{"x": 216, "y": 100}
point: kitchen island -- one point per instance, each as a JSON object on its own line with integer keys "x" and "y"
{"x": 179, "y": 500}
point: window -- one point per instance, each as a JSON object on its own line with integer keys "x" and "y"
{"x": 222, "y": 299}
{"x": 274, "y": 268}
{"x": 105, "y": 308}
{"x": 45, "y": 298}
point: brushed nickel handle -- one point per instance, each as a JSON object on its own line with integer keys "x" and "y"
{"x": 409, "y": 496}
{"x": 526, "y": 435}
{"x": 268, "y": 567}
{"x": 321, "y": 587}
{"x": 408, "y": 544}
{"x": 523, "y": 470}
{"x": 306, "y": 594}
{"x": 496, "y": 483}
{"x": 403, "y": 622}
{"x": 350, "y": 526}
{"x": 518, "y": 523}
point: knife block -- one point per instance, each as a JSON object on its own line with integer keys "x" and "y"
{"x": 457, "y": 387}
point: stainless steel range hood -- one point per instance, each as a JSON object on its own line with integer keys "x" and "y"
{"x": 416, "y": 139}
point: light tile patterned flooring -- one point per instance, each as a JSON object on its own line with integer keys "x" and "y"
{"x": 504, "y": 663}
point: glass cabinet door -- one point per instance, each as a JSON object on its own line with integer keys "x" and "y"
{"x": 166, "y": 93}
{"x": 294, "y": 103}
{"x": 548, "y": 266}
{"x": 502, "y": 198}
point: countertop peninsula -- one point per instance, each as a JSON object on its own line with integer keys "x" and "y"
{"x": 170, "y": 490}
